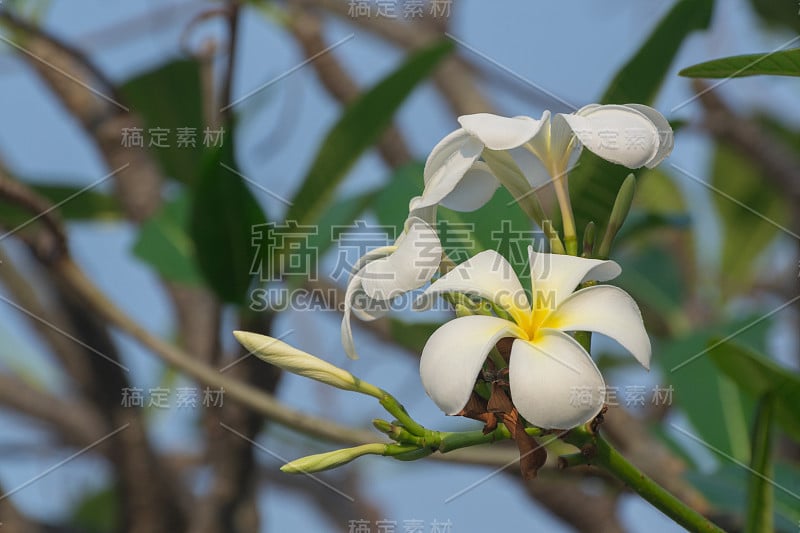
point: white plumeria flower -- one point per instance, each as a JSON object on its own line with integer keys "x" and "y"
{"x": 632, "y": 135}
{"x": 547, "y": 366}
{"x": 387, "y": 272}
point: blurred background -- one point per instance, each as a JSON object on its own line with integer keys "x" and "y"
{"x": 152, "y": 151}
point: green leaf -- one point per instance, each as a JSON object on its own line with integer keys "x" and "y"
{"x": 781, "y": 63}
{"x": 223, "y": 217}
{"x": 342, "y": 213}
{"x": 76, "y": 203}
{"x": 412, "y": 336}
{"x": 97, "y": 512}
{"x": 760, "y": 493}
{"x": 360, "y": 126}
{"x": 391, "y": 204}
{"x": 719, "y": 413}
{"x": 759, "y": 376}
{"x": 778, "y": 14}
{"x": 595, "y": 182}
{"x": 653, "y": 277}
{"x": 745, "y": 234}
{"x": 725, "y": 489}
{"x": 164, "y": 243}
{"x": 641, "y": 77}
{"x": 169, "y": 97}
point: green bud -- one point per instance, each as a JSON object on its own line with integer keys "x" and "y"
{"x": 588, "y": 239}
{"x": 622, "y": 205}
{"x": 383, "y": 426}
{"x": 328, "y": 460}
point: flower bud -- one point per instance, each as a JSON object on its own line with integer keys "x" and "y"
{"x": 328, "y": 460}
{"x": 303, "y": 364}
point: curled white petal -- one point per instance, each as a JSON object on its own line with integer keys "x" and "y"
{"x": 454, "y": 354}
{"x": 476, "y": 187}
{"x": 609, "y": 311}
{"x": 554, "y": 276}
{"x": 666, "y": 139}
{"x": 412, "y": 264}
{"x": 546, "y": 378}
{"x": 500, "y": 133}
{"x": 487, "y": 275}
{"x": 446, "y": 165}
{"x": 617, "y": 133}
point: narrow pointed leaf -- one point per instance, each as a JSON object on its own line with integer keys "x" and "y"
{"x": 781, "y": 63}
{"x": 360, "y": 126}
{"x": 595, "y": 182}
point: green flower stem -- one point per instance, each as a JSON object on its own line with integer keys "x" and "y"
{"x": 394, "y": 408}
{"x": 567, "y": 217}
{"x": 602, "y": 454}
{"x": 556, "y": 247}
{"x": 759, "y": 489}
{"x": 446, "y": 441}
{"x": 497, "y": 359}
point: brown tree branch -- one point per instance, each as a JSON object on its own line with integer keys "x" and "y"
{"x": 307, "y": 29}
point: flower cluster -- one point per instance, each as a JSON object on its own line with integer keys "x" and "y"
{"x": 513, "y": 354}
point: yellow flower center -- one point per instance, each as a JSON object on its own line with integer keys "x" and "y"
{"x": 530, "y": 320}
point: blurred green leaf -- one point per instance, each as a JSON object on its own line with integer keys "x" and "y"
{"x": 391, "y": 204}
{"x": 223, "y": 216}
{"x": 170, "y": 97}
{"x": 780, "y": 63}
{"x": 653, "y": 277}
{"x": 97, "y": 512}
{"x": 638, "y": 224}
{"x": 77, "y": 204}
{"x": 164, "y": 243}
{"x": 358, "y": 129}
{"x": 760, "y": 493}
{"x": 745, "y": 234}
{"x": 595, "y": 181}
{"x": 758, "y": 376}
{"x": 412, "y": 336}
{"x": 725, "y": 488}
{"x": 342, "y": 213}
{"x": 783, "y": 14}
{"x": 657, "y": 192}
{"x": 718, "y": 412}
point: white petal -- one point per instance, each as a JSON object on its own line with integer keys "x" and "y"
{"x": 554, "y": 276}
{"x": 550, "y": 380}
{"x": 555, "y": 143}
{"x": 487, "y": 275}
{"x": 617, "y": 133}
{"x": 454, "y": 354}
{"x": 413, "y": 264}
{"x": 447, "y": 163}
{"x": 508, "y": 172}
{"x": 346, "y": 329}
{"x": 500, "y": 133}
{"x": 531, "y": 167}
{"x": 474, "y": 190}
{"x": 426, "y": 213}
{"x": 606, "y": 310}
{"x": 666, "y": 139}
